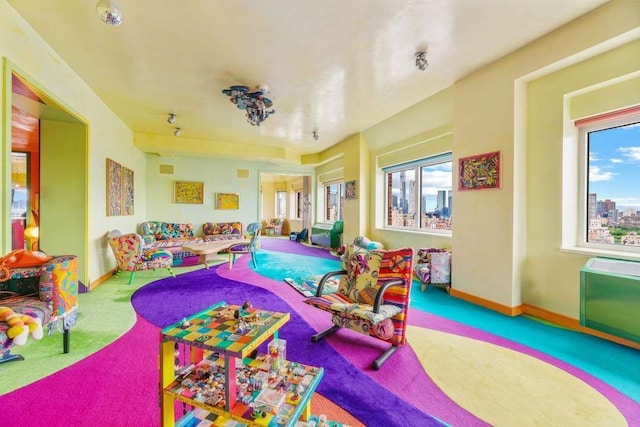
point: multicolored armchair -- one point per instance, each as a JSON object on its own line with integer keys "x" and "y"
{"x": 48, "y": 292}
{"x": 131, "y": 255}
{"x": 253, "y": 230}
{"x": 372, "y": 297}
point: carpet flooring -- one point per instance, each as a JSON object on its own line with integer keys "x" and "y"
{"x": 519, "y": 382}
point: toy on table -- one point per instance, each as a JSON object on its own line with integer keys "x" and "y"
{"x": 20, "y": 325}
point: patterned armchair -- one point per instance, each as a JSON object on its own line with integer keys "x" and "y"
{"x": 253, "y": 230}
{"x": 433, "y": 267}
{"x": 48, "y": 292}
{"x": 372, "y": 297}
{"x": 131, "y": 255}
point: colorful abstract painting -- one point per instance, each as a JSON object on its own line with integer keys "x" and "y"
{"x": 479, "y": 172}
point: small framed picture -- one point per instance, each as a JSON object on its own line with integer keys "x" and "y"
{"x": 350, "y": 190}
{"x": 229, "y": 201}
{"x": 188, "y": 192}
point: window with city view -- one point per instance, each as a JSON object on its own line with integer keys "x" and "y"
{"x": 419, "y": 195}
{"x": 613, "y": 190}
{"x": 334, "y": 199}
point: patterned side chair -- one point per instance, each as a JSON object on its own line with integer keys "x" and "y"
{"x": 253, "y": 230}
{"x": 132, "y": 256}
{"x": 372, "y": 298}
{"x": 433, "y": 267}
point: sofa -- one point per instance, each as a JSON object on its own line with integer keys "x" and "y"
{"x": 212, "y": 231}
{"x": 48, "y": 292}
{"x": 327, "y": 235}
{"x": 170, "y": 237}
{"x": 272, "y": 227}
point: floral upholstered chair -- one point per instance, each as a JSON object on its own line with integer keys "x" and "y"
{"x": 253, "y": 230}
{"x": 372, "y": 297}
{"x": 132, "y": 256}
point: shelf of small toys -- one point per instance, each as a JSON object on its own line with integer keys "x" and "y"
{"x": 222, "y": 379}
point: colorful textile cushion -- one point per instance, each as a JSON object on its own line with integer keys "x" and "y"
{"x": 441, "y": 267}
{"x": 166, "y": 230}
{"x": 360, "y": 284}
{"x": 423, "y": 264}
{"x": 222, "y": 228}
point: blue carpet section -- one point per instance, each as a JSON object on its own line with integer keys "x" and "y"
{"x": 614, "y": 364}
{"x": 166, "y": 301}
{"x": 279, "y": 265}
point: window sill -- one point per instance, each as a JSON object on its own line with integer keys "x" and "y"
{"x": 602, "y": 253}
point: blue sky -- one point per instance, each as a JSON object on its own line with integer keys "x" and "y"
{"x": 614, "y": 165}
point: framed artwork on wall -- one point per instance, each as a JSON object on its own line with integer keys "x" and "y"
{"x": 120, "y": 192}
{"x": 479, "y": 172}
{"x": 227, "y": 201}
{"x": 128, "y": 199}
{"x": 114, "y": 188}
{"x": 350, "y": 190}
{"x": 188, "y": 192}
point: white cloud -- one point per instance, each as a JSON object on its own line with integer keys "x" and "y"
{"x": 597, "y": 174}
{"x": 616, "y": 160}
{"x": 631, "y": 153}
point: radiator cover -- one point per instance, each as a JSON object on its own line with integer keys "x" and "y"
{"x": 610, "y": 297}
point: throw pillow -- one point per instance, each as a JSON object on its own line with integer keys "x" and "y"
{"x": 360, "y": 284}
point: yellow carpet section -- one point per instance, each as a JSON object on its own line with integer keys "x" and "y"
{"x": 499, "y": 385}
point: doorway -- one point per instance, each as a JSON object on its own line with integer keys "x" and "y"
{"x": 48, "y": 146}
{"x": 285, "y": 196}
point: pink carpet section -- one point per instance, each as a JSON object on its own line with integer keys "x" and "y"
{"x": 126, "y": 371}
{"x": 361, "y": 351}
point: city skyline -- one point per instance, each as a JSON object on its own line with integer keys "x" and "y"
{"x": 614, "y": 165}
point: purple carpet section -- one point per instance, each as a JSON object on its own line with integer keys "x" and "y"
{"x": 402, "y": 374}
{"x": 168, "y": 300}
{"x": 414, "y": 387}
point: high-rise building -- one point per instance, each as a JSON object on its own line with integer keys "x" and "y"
{"x": 592, "y": 206}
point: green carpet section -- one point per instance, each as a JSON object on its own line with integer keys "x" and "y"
{"x": 105, "y": 314}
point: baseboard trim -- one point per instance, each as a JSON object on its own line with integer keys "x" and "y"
{"x": 491, "y": 305}
{"x": 574, "y": 325}
{"x": 540, "y": 313}
{"x": 100, "y": 280}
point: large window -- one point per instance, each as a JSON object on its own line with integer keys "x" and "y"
{"x": 333, "y": 201}
{"x": 281, "y": 204}
{"x": 419, "y": 195}
{"x": 610, "y": 147}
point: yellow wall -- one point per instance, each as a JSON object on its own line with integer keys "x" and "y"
{"x": 505, "y": 249}
{"x": 597, "y": 85}
{"x": 108, "y": 136}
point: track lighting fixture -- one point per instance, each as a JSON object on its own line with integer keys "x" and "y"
{"x": 109, "y": 12}
{"x": 177, "y": 132}
{"x": 171, "y": 119}
{"x": 421, "y": 60}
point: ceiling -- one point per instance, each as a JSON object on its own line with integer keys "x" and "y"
{"x": 335, "y": 66}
